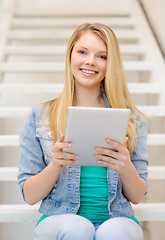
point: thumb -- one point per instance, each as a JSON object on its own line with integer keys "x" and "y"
{"x": 61, "y": 139}
{"x": 126, "y": 140}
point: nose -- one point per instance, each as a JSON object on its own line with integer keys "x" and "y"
{"x": 90, "y": 60}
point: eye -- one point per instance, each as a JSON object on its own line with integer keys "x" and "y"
{"x": 82, "y": 52}
{"x": 102, "y": 57}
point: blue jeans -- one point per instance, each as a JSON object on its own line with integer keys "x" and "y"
{"x": 75, "y": 227}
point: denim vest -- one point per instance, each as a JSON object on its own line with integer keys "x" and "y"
{"x": 36, "y": 145}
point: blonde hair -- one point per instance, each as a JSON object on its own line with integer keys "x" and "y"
{"x": 114, "y": 85}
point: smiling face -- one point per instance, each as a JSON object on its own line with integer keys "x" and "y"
{"x": 89, "y": 61}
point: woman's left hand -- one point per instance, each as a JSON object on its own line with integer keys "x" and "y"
{"x": 118, "y": 158}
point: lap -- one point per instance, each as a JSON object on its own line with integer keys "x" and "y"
{"x": 73, "y": 227}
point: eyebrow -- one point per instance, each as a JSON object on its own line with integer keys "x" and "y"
{"x": 87, "y": 49}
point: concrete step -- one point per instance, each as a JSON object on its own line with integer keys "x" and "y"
{"x": 19, "y": 213}
{"x": 26, "y": 213}
{"x": 139, "y": 66}
{"x": 113, "y": 22}
{"x": 9, "y": 140}
{"x": 10, "y": 173}
{"x": 150, "y": 211}
{"x": 61, "y": 50}
{"x": 13, "y": 140}
{"x": 64, "y": 34}
{"x": 16, "y": 112}
{"x": 156, "y": 140}
{"x": 56, "y": 88}
{"x": 156, "y": 172}
{"x": 155, "y": 111}
{"x": 61, "y": 11}
{"x": 32, "y": 88}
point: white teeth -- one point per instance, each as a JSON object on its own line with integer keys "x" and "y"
{"x": 87, "y": 71}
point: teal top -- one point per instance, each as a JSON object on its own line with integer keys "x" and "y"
{"x": 93, "y": 195}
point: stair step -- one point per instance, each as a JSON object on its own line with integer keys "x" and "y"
{"x": 33, "y": 67}
{"x": 63, "y": 34}
{"x": 14, "y": 112}
{"x": 32, "y": 88}
{"x": 156, "y": 139}
{"x": 71, "y": 21}
{"x": 144, "y": 88}
{"x": 60, "y": 11}
{"x": 10, "y": 173}
{"x": 19, "y": 213}
{"x": 13, "y": 140}
{"x": 155, "y": 111}
{"x": 26, "y": 213}
{"x": 150, "y": 211}
{"x": 56, "y": 88}
{"x": 61, "y": 49}
{"x": 140, "y": 66}
{"x": 9, "y": 140}
{"x": 7, "y": 112}
{"x": 36, "y": 50}
{"x": 156, "y": 172}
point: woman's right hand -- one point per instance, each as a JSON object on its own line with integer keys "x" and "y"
{"x": 60, "y": 158}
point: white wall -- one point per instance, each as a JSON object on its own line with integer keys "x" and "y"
{"x": 155, "y": 10}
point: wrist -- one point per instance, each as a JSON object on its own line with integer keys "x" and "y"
{"x": 56, "y": 168}
{"x": 128, "y": 171}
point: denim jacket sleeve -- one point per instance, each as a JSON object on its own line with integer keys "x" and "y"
{"x": 32, "y": 159}
{"x": 140, "y": 152}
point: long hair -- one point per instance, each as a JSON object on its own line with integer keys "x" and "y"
{"x": 114, "y": 85}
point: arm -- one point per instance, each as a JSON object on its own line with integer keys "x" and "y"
{"x": 39, "y": 186}
{"x": 36, "y": 180}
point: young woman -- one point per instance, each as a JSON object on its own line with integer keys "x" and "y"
{"x": 88, "y": 202}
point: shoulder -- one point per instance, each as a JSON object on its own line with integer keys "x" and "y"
{"x": 140, "y": 124}
{"x": 141, "y": 127}
{"x": 37, "y": 112}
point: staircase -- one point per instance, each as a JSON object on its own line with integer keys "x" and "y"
{"x": 33, "y": 38}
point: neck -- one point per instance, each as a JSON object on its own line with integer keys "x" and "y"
{"x": 88, "y": 98}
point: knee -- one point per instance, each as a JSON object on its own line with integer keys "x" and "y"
{"x": 79, "y": 228}
{"x": 65, "y": 227}
{"x": 119, "y": 229}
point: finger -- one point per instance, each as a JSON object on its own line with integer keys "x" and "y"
{"x": 112, "y": 166}
{"x": 64, "y": 155}
{"x": 64, "y": 162}
{"x": 107, "y": 164}
{"x": 60, "y": 145}
{"x": 116, "y": 145}
{"x": 61, "y": 139}
{"x": 107, "y": 159}
{"x": 108, "y": 152}
{"x": 126, "y": 140}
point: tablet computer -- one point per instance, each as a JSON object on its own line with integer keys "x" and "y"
{"x": 87, "y": 128}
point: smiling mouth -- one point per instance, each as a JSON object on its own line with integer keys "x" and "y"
{"x": 88, "y": 71}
